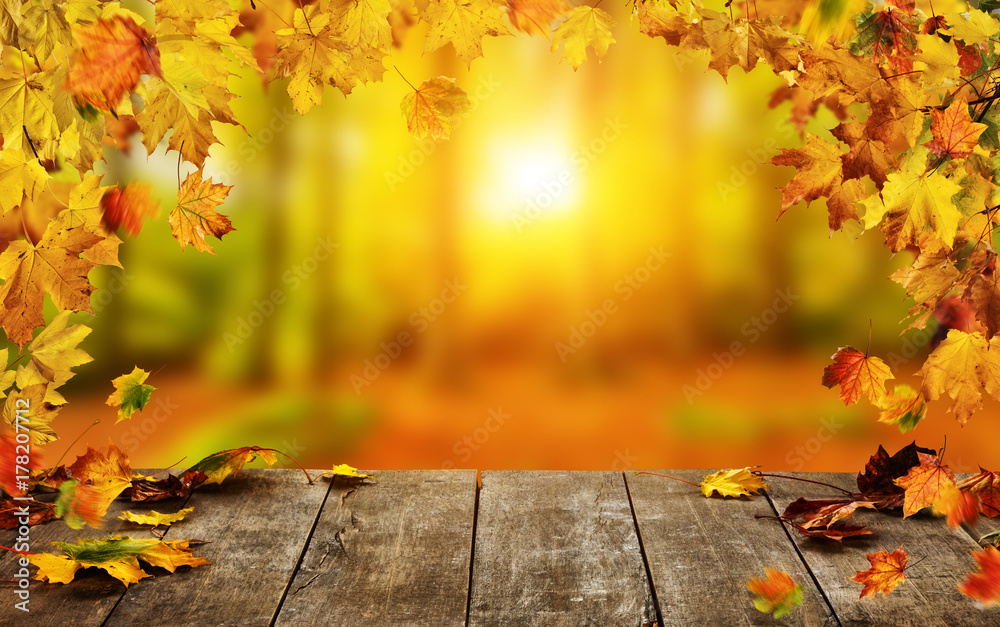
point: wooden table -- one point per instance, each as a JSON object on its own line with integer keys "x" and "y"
{"x": 431, "y": 548}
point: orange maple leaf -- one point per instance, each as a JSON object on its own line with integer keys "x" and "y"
{"x": 885, "y": 574}
{"x": 926, "y": 485}
{"x": 857, "y": 373}
{"x": 535, "y": 17}
{"x": 955, "y": 134}
{"x": 985, "y": 485}
{"x": 777, "y": 594}
{"x": 113, "y": 53}
{"x": 195, "y": 217}
{"x": 128, "y": 207}
{"x": 984, "y": 585}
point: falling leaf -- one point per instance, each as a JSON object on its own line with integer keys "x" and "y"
{"x": 955, "y": 134}
{"x": 116, "y": 555}
{"x": 345, "y": 471}
{"x": 736, "y": 482}
{"x": 885, "y": 574}
{"x": 129, "y": 207}
{"x": 986, "y": 486}
{"x": 11, "y": 467}
{"x": 904, "y": 407}
{"x": 112, "y": 54}
{"x": 79, "y": 504}
{"x": 97, "y": 480}
{"x": 961, "y": 365}
{"x": 857, "y": 374}
{"x": 435, "y": 108}
{"x": 584, "y": 26}
{"x": 155, "y": 518}
{"x": 777, "y": 594}
{"x": 983, "y": 585}
{"x": 195, "y": 217}
{"x": 131, "y": 393}
{"x": 535, "y": 17}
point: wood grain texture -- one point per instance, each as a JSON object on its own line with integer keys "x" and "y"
{"x": 701, "y": 552}
{"x": 91, "y": 596}
{"x": 394, "y": 550}
{"x": 257, "y": 524}
{"x": 929, "y": 595}
{"x": 557, "y": 548}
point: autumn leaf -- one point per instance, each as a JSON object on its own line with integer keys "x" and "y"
{"x": 11, "y": 467}
{"x": 961, "y": 365}
{"x": 220, "y": 465}
{"x": 464, "y": 24}
{"x": 155, "y": 518}
{"x": 983, "y": 584}
{"x": 20, "y": 175}
{"x": 975, "y": 27}
{"x": 54, "y": 351}
{"x": 171, "y": 487}
{"x": 195, "y": 217}
{"x": 835, "y": 532}
{"x": 736, "y": 482}
{"x": 116, "y": 555}
{"x": 925, "y": 484}
{"x": 129, "y": 207}
{"x": 112, "y": 54}
{"x": 44, "y": 27}
{"x": 878, "y": 481}
{"x": 435, "y": 108}
{"x": 131, "y": 393}
{"x": 955, "y": 134}
{"x": 856, "y": 373}
{"x": 820, "y": 173}
{"x": 535, "y": 17}
{"x": 992, "y": 538}
{"x": 40, "y": 415}
{"x": 777, "y": 594}
{"x": 904, "y": 407}
{"x": 79, "y": 504}
{"x": 346, "y": 472}
{"x": 11, "y": 513}
{"x": 97, "y": 480}
{"x": 744, "y": 43}
{"x": 986, "y": 486}
{"x": 823, "y": 513}
{"x": 584, "y": 26}
{"x": 885, "y": 574}
{"x": 362, "y": 23}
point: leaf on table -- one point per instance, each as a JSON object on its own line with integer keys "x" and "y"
{"x": 925, "y": 484}
{"x": 131, "y": 393}
{"x": 11, "y": 513}
{"x": 877, "y": 482}
{"x": 155, "y": 518}
{"x": 955, "y": 134}
{"x": 836, "y": 532}
{"x": 856, "y": 373}
{"x": 195, "y": 217}
{"x": 983, "y": 584}
{"x": 434, "y": 109}
{"x": 961, "y": 365}
{"x": 112, "y": 55}
{"x": 116, "y": 555}
{"x": 822, "y": 513}
{"x": 986, "y": 486}
{"x": 885, "y": 574}
{"x": 584, "y": 26}
{"x": 777, "y": 594}
{"x": 346, "y": 472}
{"x": 992, "y": 538}
{"x": 129, "y": 207}
{"x": 220, "y": 465}
{"x": 96, "y": 479}
{"x": 735, "y": 482}
{"x": 171, "y": 487}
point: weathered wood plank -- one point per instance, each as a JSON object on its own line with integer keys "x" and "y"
{"x": 702, "y": 551}
{"x": 86, "y": 601}
{"x": 257, "y": 524}
{"x": 395, "y": 550}
{"x": 928, "y": 597}
{"x": 557, "y": 548}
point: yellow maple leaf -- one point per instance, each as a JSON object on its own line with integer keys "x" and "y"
{"x": 584, "y": 26}
{"x": 974, "y": 27}
{"x": 937, "y": 60}
{"x": 745, "y": 43}
{"x": 33, "y": 405}
{"x": 20, "y": 175}
{"x": 434, "y": 108}
{"x": 349, "y": 472}
{"x": 736, "y": 482}
{"x": 961, "y": 365}
{"x": 464, "y": 23}
{"x": 914, "y": 200}
{"x": 362, "y": 23}
{"x": 54, "y": 351}
{"x": 166, "y": 110}
{"x": 44, "y": 27}
{"x": 195, "y": 217}
{"x": 155, "y": 518}
{"x": 28, "y": 104}
{"x": 131, "y": 393}
{"x": 116, "y": 555}
{"x": 535, "y": 17}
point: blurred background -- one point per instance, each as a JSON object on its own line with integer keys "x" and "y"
{"x": 559, "y": 286}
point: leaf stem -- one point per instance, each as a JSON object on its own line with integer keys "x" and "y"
{"x": 274, "y": 450}
{"x": 72, "y": 444}
{"x": 769, "y": 474}
{"x": 643, "y": 472}
{"x": 404, "y": 78}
